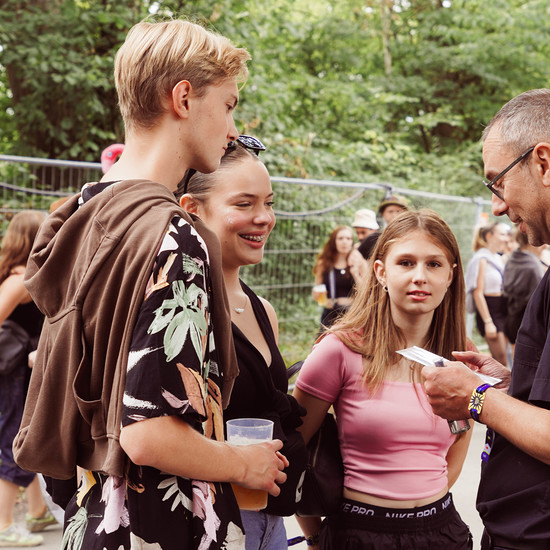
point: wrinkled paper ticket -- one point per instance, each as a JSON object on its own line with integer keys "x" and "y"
{"x": 429, "y": 359}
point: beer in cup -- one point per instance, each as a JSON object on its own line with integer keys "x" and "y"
{"x": 247, "y": 431}
{"x": 321, "y": 291}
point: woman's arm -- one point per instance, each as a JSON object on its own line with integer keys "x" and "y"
{"x": 457, "y": 454}
{"x": 318, "y": 281}
{"x": 316, "y": 411}
{"x": 12, "y": 293}
{"x": 479, "y": 300}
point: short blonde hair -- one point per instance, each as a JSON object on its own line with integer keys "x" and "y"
{"x": 157, "y": 55}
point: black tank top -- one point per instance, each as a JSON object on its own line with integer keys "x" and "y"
{"x": 255, "y": 389}
{"x": 343, "y": 283}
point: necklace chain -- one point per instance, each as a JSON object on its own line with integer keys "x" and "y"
{"x": 240, "y": 310}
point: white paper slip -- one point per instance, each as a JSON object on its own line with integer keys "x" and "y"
{"x": 429, "y": 359}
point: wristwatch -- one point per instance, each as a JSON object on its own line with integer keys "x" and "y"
{"x": 476, "y": 401}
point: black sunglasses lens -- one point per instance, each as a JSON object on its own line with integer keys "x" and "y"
{"x": 250, "y": 142}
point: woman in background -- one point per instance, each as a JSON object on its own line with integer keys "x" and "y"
{"x": 236, "y": 202}
{"x": 17, "y": 306}
{"x": 522, "y": 274}
{"x": 399, "y": 458}
{"x": 484, "y": 280}
{"x": 334, "y": 269}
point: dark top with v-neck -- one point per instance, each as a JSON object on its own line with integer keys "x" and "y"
{"x": 258, "y": 384}
{"x": 260, "y": 391}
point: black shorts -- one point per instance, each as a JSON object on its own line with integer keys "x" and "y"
{"x": 361, "y": 526}
{"x": 497, "y": 309}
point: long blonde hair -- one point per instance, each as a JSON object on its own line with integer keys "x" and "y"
{"x": 18, "y": 241}
{"x": 368, "y": 328}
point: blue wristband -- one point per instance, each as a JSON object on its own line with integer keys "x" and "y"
{"x": 476, "y": 401}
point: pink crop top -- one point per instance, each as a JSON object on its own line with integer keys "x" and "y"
{"x": 392, "y": 444}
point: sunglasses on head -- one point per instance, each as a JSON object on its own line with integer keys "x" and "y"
{"x": 248, "y": 142}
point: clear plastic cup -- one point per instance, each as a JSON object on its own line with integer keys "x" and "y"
{"x": 247, "y": 431}
{"x": 321, "y": 291}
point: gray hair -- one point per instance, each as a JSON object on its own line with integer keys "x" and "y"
{"x": 524, "y": 121}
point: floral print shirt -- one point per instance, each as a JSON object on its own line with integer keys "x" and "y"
{"x": 172, "y": 370}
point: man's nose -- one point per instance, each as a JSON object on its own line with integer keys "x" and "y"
{"x": 499, "y": 206}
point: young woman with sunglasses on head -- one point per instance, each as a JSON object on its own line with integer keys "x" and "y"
{"x": 236, "y": 202}
{"x": 136, "y": 360}
{"x": 399, "y": 458}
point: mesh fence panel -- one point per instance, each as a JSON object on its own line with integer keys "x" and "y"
{"x": 307, "y": 211}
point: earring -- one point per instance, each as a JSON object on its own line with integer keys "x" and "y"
{"x": 384, "y": 288}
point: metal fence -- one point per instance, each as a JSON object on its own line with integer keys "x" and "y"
{"x": 307, "y": 211}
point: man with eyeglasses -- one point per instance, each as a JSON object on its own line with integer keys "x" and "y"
{"x": 514, "y": 493}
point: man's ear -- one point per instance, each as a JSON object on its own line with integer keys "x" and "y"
{"x": 181, "y": 94}
{"x": 542, "y": 158}
{"x": 189, "y": 204}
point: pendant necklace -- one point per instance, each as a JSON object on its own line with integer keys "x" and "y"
{"x": 240, "y": 310}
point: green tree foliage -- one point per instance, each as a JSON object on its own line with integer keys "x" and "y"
{"x": 58, "y": 59}
{"x": 364, "y": 90}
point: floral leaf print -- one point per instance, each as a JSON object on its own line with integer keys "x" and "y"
{"x": 180, "y": 498}
{"x": 175, "y": 402}
{"x": 134, "y": 357}
{"x": 203, "y": 507}
{"x": 162, "y": 279}
{"x": 132, "y": 402}
{"x": 87, "y": 481}
{"x": 194, "y": 388}
{"x": 192, "y": 266}
{"x": 73, "y": 534}
{"x": 190, "y": 320}
{"x": 116, "y": 514}
{"x": 213, "y": 428}
{"x": 234, "y": 539}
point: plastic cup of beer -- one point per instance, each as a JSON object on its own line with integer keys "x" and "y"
{"x": 248, "y": 431}
{"x": 321, "y": 291}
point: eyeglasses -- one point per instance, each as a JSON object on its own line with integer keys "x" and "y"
{"x": 491, "y": 184}
{"x": 248, "y": 142}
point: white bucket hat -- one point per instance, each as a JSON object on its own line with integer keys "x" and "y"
{"x": 365, "y": 218}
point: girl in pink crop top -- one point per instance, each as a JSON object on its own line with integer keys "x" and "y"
{"x": 399, "y": 458}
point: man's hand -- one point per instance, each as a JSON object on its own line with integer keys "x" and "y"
{"x": 449, "y": 389}
{"x": 265, "y": 465}
{"x": 485, "y": 364}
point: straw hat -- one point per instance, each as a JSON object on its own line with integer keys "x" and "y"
{"x": 365, "y": 218}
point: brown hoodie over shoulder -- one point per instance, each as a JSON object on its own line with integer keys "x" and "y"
{"x": 88, "y": 273}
